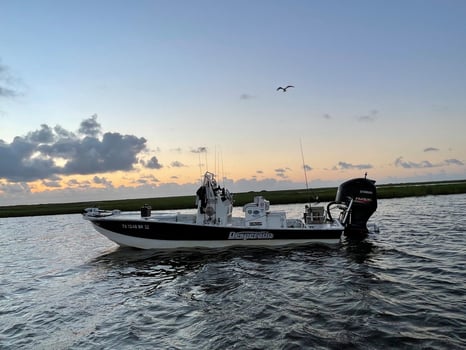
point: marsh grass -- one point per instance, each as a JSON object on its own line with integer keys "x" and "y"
{"x": 275, "y": 197}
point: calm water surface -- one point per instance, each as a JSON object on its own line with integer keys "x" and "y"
{"x": 63, "y": 286}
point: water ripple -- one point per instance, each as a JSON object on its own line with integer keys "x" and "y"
{"x": 65, "y": 287}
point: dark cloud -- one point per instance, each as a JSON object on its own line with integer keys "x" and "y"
{"x": 73, "y": 182}
{"x": 51, "y": 183}
{"x": 425, "y": 163}
{"x": 44, "y": 135}
{"x": 19, "y": 161}
{"x": 347, "y": 166}
{"x": 177, "y": 164}
{"x": 281, "y": 172}
{"x": 90, "y": 127}
{"x": 399, "y": 162}
{"x": 102, "y": 181}
{"x": 151, "y": 178}
{"x": 199, "y": 150}
{"x": 153, "y": 163}
{"x": 146, "y": 180}
{"x": 431, "y": 149}
{"x": 307, "y": 167}
{"x": 38, "y": 154}
{"x": 453, "y": 162}
{"x": 15, "y": 188}
{"x": 91, "y": 155}
{"x": 141, "y": 181}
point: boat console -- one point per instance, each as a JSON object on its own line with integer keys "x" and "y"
{"x": 258, "y": 214}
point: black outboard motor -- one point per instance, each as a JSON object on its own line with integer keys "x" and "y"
{"x": 363, "y": 194}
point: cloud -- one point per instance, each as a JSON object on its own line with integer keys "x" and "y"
{"x": 84, "y": 184}
{"x": 431, "y": 149}
{"x": 327, "y": 116}
{"x": 19, "y": 162}
{"x": 44, "y": 135}
{"x": 5, "y": 80}
{"x": 90, "y": 127}
{"x": 102, "y": 181}
{"x": 281, "y": 172}
{"x": 62, "y": 133}
{"x": 307, "y": 167}
{"x": 15, "y": 188}
{"x": 153, "y": 163}
{"x": 73, "y": 182}
{"x": 199, "y": 150}
{"x": 114, "y": 152}
{"x": 177, "y": 164}
{"x": 5, "y": 92}
{"x": 48, "y": 151}
{"x": 453, "y": 162}
{"x": 245, "y": 97}
{"x": 51, "y": 183}
{"x": 348, "y": 166}
{"x": 399, "y": 162}
{"x": 149, "y": 180}
{"x": 372, "y": 116}
{"x": 425, "y": 163}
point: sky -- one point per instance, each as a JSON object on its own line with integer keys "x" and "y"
{"x": 135, "y": 99}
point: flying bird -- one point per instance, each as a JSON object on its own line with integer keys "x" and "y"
{"x": 284, "y": 88}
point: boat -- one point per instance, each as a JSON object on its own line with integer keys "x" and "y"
{"x": 213, "y": 225}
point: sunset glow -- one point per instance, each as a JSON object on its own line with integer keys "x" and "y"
{"x": 119, "y": 100}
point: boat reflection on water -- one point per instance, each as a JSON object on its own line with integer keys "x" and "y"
{"x": 358, "y": 251}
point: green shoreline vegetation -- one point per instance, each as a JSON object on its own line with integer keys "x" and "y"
{"x": 275, "y": 197}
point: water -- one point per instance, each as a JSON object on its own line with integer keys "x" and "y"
{"x": 63, "y": 286}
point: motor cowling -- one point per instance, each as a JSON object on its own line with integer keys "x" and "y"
{"x": 362, "y": 192}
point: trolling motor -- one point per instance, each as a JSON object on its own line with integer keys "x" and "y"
{"x": 360, "y": 197}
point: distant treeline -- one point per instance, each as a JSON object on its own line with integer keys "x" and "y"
{"x": 275, "y": 197}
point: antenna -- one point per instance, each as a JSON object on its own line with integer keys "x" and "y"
{"x": 223, "y": 171}
{"x": 304, "y": 165}
{"x": 200, "y": 166}
{"x": 206, "y": 165}
{"x": 305, "y": 173}
{"x": 215, "y": 161}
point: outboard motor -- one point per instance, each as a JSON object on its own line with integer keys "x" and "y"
{"x": 363, "y": 195}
